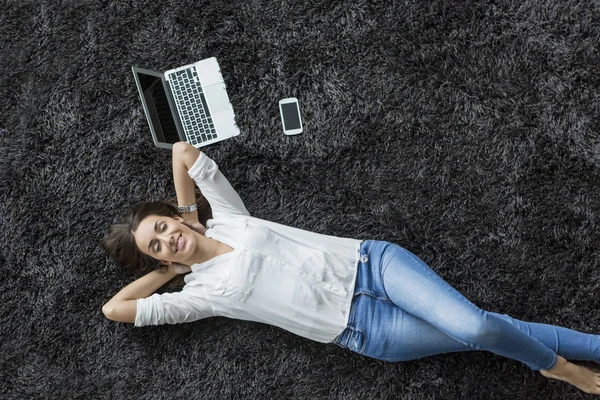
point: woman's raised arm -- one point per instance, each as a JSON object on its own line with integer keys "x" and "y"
{"x": 184, "y": 157}
{"x": 191, "y": 167}
{"x": 122, "y": 307}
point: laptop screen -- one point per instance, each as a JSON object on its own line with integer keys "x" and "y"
{"x": 157, "y": 108}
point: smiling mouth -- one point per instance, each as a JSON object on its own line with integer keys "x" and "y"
{"x": 179, "y": 243}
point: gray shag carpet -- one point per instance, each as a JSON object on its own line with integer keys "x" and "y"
{"x": 467, "y": 132}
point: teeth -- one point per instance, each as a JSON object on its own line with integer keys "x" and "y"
{"x": 179, "y": 242}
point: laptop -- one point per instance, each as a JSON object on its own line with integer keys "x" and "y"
{"x": 188, "y": 103}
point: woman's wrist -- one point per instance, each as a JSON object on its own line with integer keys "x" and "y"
{"x": 187, "y": 209}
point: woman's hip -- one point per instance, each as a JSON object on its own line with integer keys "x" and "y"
{"x": 377, "y": 327}
{"x": 375, "y": 258}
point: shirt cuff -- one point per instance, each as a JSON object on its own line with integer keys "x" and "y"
{"x": 202, "y": 164}
{"x": 141, "y": 313}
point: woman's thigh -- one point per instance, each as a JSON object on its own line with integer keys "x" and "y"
{"x": 414, "y": 287}
{"x": 387, "y": 332}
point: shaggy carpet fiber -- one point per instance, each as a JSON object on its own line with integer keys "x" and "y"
{"x": 467, "y": 132}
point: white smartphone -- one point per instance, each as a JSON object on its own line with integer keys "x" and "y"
{"x": 290, "y": 116}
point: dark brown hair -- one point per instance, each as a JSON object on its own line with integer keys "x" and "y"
{"x": 120, "y": 242}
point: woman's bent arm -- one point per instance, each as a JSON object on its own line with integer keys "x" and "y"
{"x": 123, "y": 306}
{"x": 184, "y": 157}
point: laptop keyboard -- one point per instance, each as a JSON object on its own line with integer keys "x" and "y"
{"x": 191, "y": 104}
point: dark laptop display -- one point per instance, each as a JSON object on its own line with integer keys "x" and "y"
{"x": 158, "y": 108}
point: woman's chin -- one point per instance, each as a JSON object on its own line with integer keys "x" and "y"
{"x": 182, "y": 256}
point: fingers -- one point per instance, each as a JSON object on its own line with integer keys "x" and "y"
{"x": 197, "y": 227}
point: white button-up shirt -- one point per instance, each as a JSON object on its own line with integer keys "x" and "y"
{"x": 291, "y": 278}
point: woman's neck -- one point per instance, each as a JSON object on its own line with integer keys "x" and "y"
{"x": 207, "y": 249}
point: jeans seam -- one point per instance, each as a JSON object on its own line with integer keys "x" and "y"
{"x": 371, "y": 294}
{"x": 554, "y": 362}
{"x": 392, "y": 359}
{"x": 364, "y": 341}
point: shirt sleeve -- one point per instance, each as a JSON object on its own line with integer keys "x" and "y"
{"x": 169, "y": 308}
{"x": 221, "y": 196}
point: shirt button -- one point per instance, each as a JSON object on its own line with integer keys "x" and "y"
{"x": 364, "y": 258}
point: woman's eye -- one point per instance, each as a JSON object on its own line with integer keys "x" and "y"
{"x": 164, "y": 227}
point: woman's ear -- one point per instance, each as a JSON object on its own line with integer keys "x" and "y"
{"x": 165, "y": 263}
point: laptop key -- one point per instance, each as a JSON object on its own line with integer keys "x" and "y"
{"x": 204, "y": 104}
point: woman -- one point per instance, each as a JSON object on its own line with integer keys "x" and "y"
{"x": 375, "y": 298}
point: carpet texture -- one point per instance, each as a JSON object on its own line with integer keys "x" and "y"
{"x": 467, "y": 132}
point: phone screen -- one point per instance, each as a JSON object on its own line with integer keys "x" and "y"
{"x": 291, "y": 116}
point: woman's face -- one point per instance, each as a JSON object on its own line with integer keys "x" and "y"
{"x": 165, "y": 239}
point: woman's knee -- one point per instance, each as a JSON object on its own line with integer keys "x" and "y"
{"x": 482, "y": 333}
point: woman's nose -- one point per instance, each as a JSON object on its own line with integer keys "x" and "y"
{"x": 169, "y": 239}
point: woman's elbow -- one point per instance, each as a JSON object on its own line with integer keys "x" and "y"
{"x": 185, "y": 153}
{"x": 108, "y": 310}
{"x": 180, "y": 148}
{"x": 124, "y": 312}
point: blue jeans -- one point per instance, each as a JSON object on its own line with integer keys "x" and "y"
{"x": 402, "y": 310}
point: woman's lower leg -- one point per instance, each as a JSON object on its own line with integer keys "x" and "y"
{"x": 568, "y": 343}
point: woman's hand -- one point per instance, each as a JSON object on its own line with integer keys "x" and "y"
{"x": 179, "y": 269}
{"x": 195, "y": 226}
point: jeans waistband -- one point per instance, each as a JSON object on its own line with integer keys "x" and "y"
{"x": 367, "y": 283}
